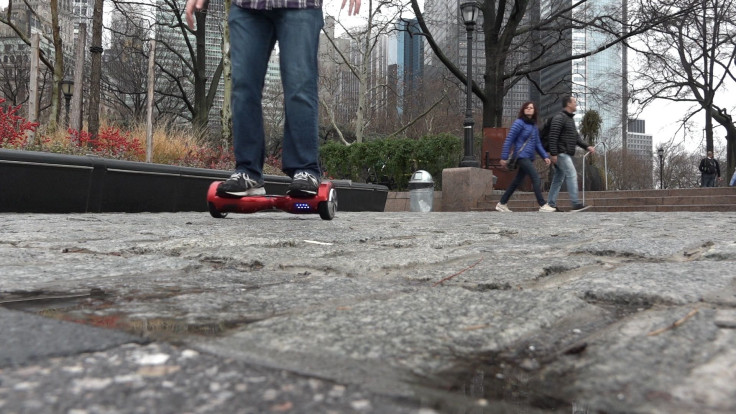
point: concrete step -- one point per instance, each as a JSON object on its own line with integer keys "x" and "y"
{"x": 696, "y": 199}
{"x": 614, "y": 209}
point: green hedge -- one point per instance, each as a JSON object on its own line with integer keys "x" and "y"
{"x": 392, "y": 161}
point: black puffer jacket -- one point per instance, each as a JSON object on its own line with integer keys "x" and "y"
{"x": 563, "y": 135}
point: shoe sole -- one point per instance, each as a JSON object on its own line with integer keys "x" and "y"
{"x": 580, "y": 209}
{"x": 250, "y": 192}
{"x": 297, "y": 193}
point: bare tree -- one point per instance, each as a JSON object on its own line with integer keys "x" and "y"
{"x": 351, "y": 77}
{"x": 183, "y": 89}
{"x": 57, "y": 66}
{"x": 513, "y": 28}
{"x": 680, "y": 167}
{"x": 125, "y": 67}
{"x": 363, "y": 43}
{"x": 628, "y": 171}
{"x": 14, "y": 78}
{"x": 690, "y": 58}
{"x": 189, "y": 69}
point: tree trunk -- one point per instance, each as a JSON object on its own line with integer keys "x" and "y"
{"x": 363, "y": 77}
{"x": 58, "y": 66}
{"x": 494, "y": 87}
{"x": 726, "y": 121}
{"x": 149, "y": 99}
{"x": 730, "y": 151}
{"x": 199, "y": 121}
{"x": 96, "y": 71}
{"x": 75, "y": 122}
{"x": 33, "y": 85}
{"x": 498, "y": 36}
{"x": 227, "y": 114}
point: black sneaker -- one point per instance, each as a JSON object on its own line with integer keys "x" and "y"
{"x": 240, "y": 185}
{"x": 303, "y": 185}
{"x": 579, "y": 207}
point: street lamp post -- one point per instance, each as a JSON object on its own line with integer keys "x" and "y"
{"x": 469, "y": 11}
{"x": 660, "y": 153}
{"x": 67, "y": 88}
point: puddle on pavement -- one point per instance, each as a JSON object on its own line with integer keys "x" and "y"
{"x": 511, "y": 382}
{"x": 99, "y": 310}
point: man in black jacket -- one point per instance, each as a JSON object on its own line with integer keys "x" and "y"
{"x": 710, "y": 170}
{"x": 563, "y": 139}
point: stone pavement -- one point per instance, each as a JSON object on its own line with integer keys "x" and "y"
{"x": 368, "y": 313}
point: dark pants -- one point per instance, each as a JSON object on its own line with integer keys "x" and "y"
{"x": 526, "y": 167}
{"x": 708, "y": 180}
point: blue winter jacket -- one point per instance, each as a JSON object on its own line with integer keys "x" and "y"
{"x": 518, "y": 133}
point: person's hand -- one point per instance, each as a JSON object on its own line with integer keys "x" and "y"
{"x": 553, "y": 159}
{"x": 547, "y": 161}
{"x": 503, "y": 163}
{"x": 354, "y": 7}
{"x": 591, "y": 149}
{"x": 190, "y": 8}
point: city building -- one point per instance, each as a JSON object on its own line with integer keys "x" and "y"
{"x": 638, "y": 141}
{"x": 597, "y": 81}
{"x": 409, "y": 67}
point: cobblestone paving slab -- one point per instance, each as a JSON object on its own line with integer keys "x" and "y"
{"x": 645, "y": 364}
{"x": 543, "y": 312}
{"x": 27, "y": 338}
{"x": 422, "y": 332}
{"x": 159, "y": 378}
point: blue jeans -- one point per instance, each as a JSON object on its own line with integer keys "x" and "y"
{"x": 253, "y": 34}
{"x": 526, "y": 167}
{"x": 564, "y": 172}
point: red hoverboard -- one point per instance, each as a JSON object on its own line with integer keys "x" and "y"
{"x": 324, "y": 203}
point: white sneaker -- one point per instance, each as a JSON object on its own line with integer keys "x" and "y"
{"x": 547, "y": 209}
{"x": 502, "y": 208}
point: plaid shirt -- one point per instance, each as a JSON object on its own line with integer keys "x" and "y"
{"x": 278, "y": 4}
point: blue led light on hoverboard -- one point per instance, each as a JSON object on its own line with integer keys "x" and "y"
{"x": 302, "y": 206}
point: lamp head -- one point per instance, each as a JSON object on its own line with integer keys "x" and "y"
{"x": 660, "y": 152}
{"x": 67, "y": 87}
{"x": 469, "y": 10}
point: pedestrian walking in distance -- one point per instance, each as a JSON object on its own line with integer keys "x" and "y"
{"x": 563, "y": 139}
{"x": 523, "y": 140}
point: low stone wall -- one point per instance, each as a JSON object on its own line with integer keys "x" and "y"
{"x": 399, "y": 201}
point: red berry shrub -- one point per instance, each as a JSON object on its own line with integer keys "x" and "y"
{"x": 110, "y": 143}
{"x": 13, "y": 127}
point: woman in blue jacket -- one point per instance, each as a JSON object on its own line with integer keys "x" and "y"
{"x": 523, "y": 137}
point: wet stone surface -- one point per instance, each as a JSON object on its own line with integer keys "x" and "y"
{"x": 370, "y": 312}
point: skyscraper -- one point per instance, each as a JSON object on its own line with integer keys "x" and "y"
{"x": 639, "y": 142}
{"x": 597, "y": 80}
{"x": 409, "y": 63}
